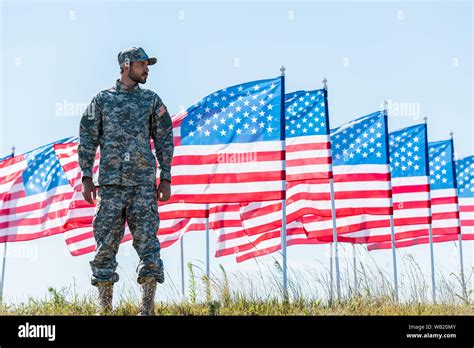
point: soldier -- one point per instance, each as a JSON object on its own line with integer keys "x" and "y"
{"x": 122, "y": 120}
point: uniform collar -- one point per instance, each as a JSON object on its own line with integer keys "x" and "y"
{"x": 125, "y": 89}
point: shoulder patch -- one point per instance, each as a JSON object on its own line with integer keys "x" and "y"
{"x": 162, "y": 110}
{"x": 166, "y": 120}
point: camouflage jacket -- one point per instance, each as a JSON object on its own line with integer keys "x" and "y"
{"x": 121, "y": 120}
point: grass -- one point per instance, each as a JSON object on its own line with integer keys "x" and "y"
{"x": 365, "y": 290}
{"x": 240, "y": 306}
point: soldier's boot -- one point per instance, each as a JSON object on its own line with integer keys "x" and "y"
{"x": 147, "y": 305}
{"x": 105, "y": 297}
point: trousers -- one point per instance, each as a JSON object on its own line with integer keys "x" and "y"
{"x": 136, "y": 205}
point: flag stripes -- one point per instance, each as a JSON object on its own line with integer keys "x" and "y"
{"x": 34, "y": 195}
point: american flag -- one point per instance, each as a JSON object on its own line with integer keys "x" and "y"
{"x": 309, "y": 161}
{"x": 232, "y": 238}
{"x": 270, "y": 241}
{"x": 229, "y": 146}
{"x": 465, "y": 181}
{"x": 308, "y": 169}
{"x": 361, "y": 182}
{"x": 34, "y": 195}
{"x": 259, "y": 217}
{"x": 225, "y": 220}
{"x": 175, "y": 219}
{"x": 11, "y": 169}
{"x": 410, "y": 187}
{"x": 6, "y": 157}
{"x": 308, "y": 165}
{"x": 444, "y": 199}
{"x": 308, "y": 154}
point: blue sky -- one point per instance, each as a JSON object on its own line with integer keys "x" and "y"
{"x": 56, "y": 56}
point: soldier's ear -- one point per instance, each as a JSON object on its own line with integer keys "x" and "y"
{"x": 125, "y": 66}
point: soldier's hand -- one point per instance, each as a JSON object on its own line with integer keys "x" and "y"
{"x": 164, "y": 190}
{"x": 88, "y": 190}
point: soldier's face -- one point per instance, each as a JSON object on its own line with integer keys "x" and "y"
{"x": 138, "y": 71}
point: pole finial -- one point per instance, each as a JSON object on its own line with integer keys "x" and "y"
{"x": 282, "y": 69}
{"x": 325, "y": 83}
{"x": 13, "y": 149}
{"x": 451, "y": 134}
{"x": 385, "y": 107}
{"x": 425, "y": 119}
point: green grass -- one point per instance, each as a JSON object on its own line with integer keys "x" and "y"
{"x": 355, "y": 306}
{"x": 366, "y": 290}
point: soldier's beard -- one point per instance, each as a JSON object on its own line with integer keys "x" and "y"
{"x": 137, "y": 78}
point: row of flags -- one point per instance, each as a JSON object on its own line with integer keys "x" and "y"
{"x": 251, "y": 160}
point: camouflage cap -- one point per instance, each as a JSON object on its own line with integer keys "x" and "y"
{"x": 134, "y": 54}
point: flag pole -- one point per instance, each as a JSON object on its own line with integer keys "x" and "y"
{"x": 392, "y": 223}
{"x": 3, "y": 270}
{"x": 283, "y": 245}
{"x": 283, "y": 201}
{"x": 4, "y": 261}
{"x": 354, "y": 259}
{"x": 331, "y": 276}
{"x": 208, "y": 265}
{"x": 433, "y": 283}
{"x": 181, "y": 245}
{"x": 461, "y": 259}
{"x": 333, "y": 202}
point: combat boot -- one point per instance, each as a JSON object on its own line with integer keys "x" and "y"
{"x": 147, "y": 305}
{"x": 105, "y": 297}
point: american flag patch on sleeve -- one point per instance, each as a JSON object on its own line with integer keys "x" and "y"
{"x": 161, "y": 111}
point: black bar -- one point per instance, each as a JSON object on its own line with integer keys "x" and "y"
{"x": 240, "y": 330}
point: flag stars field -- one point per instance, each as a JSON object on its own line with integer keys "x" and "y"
{"x": 228, "y": 103}
{"x": 365, "y": 148}
{"x": 44, "y": 166}
{"x": 465, "y": 180}
{"x": 404, "y": 154}
{"x": 302, "y": 109}
{"x": 438, "y": 170}
{"x": 466, "y": 176}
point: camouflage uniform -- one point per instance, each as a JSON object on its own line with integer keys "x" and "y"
{"x": 122, "y": 120}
